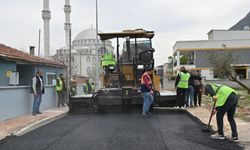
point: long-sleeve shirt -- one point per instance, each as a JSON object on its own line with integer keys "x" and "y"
{"x": 209, "y": 90}
{"x": 34, "y": 83}
{"x": 177, "y": 80}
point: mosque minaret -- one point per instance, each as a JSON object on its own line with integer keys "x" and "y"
{"x": 67, "y": 24}
{"x": 46, "y": 19}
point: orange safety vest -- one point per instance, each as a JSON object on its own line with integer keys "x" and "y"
{"x": 149, "y": 78}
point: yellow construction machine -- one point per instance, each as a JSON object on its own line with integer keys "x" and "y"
{"x": 122, "y": 73}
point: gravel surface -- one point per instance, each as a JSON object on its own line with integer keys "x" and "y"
{"x": 165, "y": 130}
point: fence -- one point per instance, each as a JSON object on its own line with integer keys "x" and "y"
{"x": 17, "y": 100}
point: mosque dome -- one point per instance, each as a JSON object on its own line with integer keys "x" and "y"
{"x": 87, "y": 34}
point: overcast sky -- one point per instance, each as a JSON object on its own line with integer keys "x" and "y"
{"x": 172, "y": 20}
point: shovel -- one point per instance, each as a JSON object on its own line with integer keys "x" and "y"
{"x": 209, "y": 127}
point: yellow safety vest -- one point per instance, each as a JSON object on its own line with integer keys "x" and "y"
{"x": 60, "y": 86}
{"x": 221, "y": 92}
{"x": 183, "y": 82}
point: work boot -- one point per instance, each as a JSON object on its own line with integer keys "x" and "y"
{"x": 217, "y": 136}
{"x": 149, "y": 113}
{"x": 145, "y": 115}
{"x": 234, "y": 139}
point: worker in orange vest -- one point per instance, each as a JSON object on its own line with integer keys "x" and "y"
{"x": 147, "y": 92}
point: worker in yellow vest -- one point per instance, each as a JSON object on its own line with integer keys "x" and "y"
{"x": 60, "y": 90}
{"x": 226, "y": 101}
{"x": 87, "y": 87}
{"x": 181, "y": 85}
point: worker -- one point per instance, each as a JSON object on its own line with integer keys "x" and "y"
{"x": 181, "y": 85}
{"x": 147, "y": 92}
{"x": 73, "y": 90}
{"x": 197, "y": 88}
{"x": 92, "y": 85}
{"x": 60, "y": 90}
{"x": 226, "y": 101}
{"x": 87, "y": 87}
{"x": 189, "y": 99}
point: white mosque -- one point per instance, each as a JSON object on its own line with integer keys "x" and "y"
{"x": 83, "y": 60}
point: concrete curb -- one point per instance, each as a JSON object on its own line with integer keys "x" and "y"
{"x": 38, "y": 124}
{"x": 244, "y": 144}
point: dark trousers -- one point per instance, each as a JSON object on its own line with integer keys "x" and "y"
{"x": 197, "y": 93}
{"x": 181, "y": 96}
{"x": 60, "y": 98}
{"x": 229, "y": 107}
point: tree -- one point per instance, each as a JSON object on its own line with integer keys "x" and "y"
{"x": 170, "y": 67}
{"x": 183, "y": 59}
{"x": 222, "y": 63}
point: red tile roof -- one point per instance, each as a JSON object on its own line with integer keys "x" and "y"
{"x": 14, "y": 54}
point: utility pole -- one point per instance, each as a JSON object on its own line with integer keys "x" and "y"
{"x": 70, "y": 69}
{"x": 39, "y": 41}
{"x": 96, "y": 47}
{"x": 69, "y": 66}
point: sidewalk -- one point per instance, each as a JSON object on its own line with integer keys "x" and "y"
{"x": 243, "y": 127}
{"x": 23, "y": 124}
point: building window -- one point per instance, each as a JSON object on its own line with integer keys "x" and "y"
{"x": 88, "y": 59}
{"x": 93, "y": 60}
{"x": 50, "y": 79}
{"x": 88, "y": 70}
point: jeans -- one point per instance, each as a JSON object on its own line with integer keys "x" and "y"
{"x": 37, "y": 102}
{"x": 229, "y": 107}
{"x": 148, "y": 100}
{"x": 190, "y": 96}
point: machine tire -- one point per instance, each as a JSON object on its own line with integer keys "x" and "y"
{"x": 157, "y": 96}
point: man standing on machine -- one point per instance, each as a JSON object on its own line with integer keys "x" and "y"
{"x": 226, "y": 100}
{"x": 147, "y": 92}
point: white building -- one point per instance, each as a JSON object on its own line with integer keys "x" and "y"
{"x": 235, "y": 40}
{"x": 83, "y": 60}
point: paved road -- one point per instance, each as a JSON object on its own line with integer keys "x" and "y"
{"x": 169, "y": 130}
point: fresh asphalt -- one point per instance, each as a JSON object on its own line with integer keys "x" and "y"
{"x": 164, "y": 130}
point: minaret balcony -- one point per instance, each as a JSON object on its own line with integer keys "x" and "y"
{"x": 67, "y": 8}
{"x": 67, "y": 26}
{"x": 46, "y": 14}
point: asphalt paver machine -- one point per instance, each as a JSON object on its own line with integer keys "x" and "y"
{"x": 121, "y": 75}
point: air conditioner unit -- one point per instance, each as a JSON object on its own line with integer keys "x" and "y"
{"x": 14, "y": 78}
